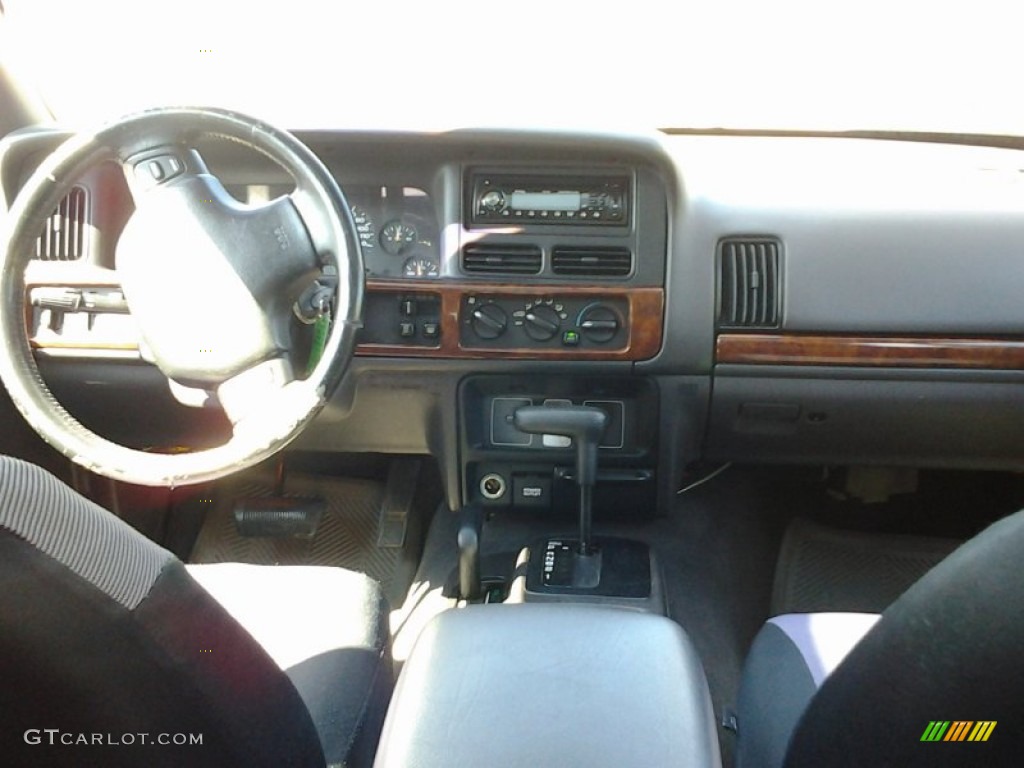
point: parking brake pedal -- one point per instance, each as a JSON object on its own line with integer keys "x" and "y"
{"x": 277, "y": 515}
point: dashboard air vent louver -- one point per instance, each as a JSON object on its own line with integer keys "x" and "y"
{"x": 750, "y": 292}
{"x": 63, "y": 236}
{"x": 591, "y": 261}
{"x": 501, "y": 259}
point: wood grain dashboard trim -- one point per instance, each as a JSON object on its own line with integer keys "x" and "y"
{"x": 646, "y": 310}
{"x": 870, "y": 351}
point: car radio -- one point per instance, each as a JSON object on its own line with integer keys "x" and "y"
{"x": 590, "y": 200}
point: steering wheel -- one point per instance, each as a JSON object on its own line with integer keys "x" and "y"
{"x": 212, "y": 283}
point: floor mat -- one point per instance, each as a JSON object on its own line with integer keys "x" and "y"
{"x": 346, "y": 537}
{"x": 827, "y": 569}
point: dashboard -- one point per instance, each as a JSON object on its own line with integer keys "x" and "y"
{"x": 725, "y": 298}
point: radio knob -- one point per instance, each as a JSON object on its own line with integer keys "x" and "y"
{"x": 599, "y": 323}
{"x": 489, "y": 321}
{"x": 493, "y": 201}
{"x": 541, "y": 323}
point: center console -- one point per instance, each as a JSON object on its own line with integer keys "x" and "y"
{"x": 559, "y": 450}
{"x": 567, "y": 685}
{"x": 505, "y": 467}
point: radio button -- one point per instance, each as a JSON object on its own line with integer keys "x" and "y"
{"x": 493, "y": 201}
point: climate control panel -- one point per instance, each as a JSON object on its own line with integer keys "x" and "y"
{"x": 495, "y": 321}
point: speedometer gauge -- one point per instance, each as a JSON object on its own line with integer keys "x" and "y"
{"x": 365, "y": 228}
{"x": 420, "y": 266}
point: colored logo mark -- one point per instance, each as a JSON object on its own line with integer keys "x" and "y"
{"x": 958, "y": 730}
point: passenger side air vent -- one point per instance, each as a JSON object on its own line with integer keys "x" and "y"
{"x": 63, "y": 237}
{"x": 591, "y": 261}
{"x": 749, "y": 289}
{"x": 501, "y": 259}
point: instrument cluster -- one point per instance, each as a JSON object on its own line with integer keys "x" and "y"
{"x": 397, "y": 230}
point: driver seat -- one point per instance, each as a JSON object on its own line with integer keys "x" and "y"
{"x": 112, "y": 651}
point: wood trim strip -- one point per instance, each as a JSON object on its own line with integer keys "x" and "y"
{"x": 870, "y": 351}
{"x": 646, "y": 309}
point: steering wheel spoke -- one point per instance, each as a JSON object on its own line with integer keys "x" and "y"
{"x": 210, "y": 280}
{"x": 245, "y": 395}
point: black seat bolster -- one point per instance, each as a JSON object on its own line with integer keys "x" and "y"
{"x": 327, "y": 629}
{"x": 75, "y": 659}
{"x": 948, "y": 650}
{"x": 251, "y": 701}
{"x": 790, "y": 658}
{"x": 775, "y": 688}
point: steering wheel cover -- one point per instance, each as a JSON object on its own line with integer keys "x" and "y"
{"x": 296, "y": 404}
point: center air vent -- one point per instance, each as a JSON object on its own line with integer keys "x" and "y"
{"x": 501, "y": 259}
{"x": 749, "y": 290}
{"x": 63, "y": 237}
{"x": 591, "y": 261}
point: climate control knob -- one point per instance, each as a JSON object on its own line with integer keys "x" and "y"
{"x": 599, "y": 323}
{"x": 489, "y": 321}
{"x": 541, "y": 323}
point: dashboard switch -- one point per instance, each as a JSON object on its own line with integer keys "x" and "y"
{"x": 408, "y": 307}
{"x": 160, "y": 169}
{"x": 531, "y": 491}
{"x": 431, "y": 330}
{"x": 407, "y": 330}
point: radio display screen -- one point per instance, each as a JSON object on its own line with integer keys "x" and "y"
{"x": 546, "y": 201}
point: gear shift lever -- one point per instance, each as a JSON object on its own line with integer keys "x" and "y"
{"x": 583, "y": 424}
{"x": 608, "y": 567}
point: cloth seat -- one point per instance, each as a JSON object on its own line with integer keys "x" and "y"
{"x": 788, "y": 661}
{"x": 326, "y": 628}
{"x": 104, "y": 636}
{"x": 857, "y": 689}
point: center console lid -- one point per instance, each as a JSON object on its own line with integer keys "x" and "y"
{"x": 544, "y": 685}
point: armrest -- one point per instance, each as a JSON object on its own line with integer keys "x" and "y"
{"x": 567, "y": 685}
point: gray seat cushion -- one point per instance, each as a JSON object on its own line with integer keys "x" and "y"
{"x": 790, "y": 658}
